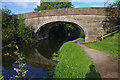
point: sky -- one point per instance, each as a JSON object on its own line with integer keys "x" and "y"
{"x": 25, "y": 6}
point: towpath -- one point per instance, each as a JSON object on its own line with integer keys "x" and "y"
{"x": 104, "y": 63}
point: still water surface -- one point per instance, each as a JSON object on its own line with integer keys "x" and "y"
{"x": 38, "y": 58}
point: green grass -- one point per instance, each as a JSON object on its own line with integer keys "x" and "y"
{"x": 73, "y": 63}
{"x": 109, "y": 44}
{"x": 76, "y": 39}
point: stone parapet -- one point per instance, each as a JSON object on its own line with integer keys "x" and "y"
{"x": 66, "y": 11}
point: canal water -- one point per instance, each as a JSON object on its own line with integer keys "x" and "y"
{"x": 37, "y": 57}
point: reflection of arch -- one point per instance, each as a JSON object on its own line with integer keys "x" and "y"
{"x": 60, "y": 19}
{"x": 38, "y": 58}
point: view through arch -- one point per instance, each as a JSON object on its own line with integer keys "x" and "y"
{"x": 61, "y": 29}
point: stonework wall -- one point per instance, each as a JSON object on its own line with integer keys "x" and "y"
{"x": 89, "y": 19}
{"x": 67, "y": 11}
{"x": 91, "y": 24}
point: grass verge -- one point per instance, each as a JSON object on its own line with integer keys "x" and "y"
{"x": 77, "y": 39}
{"x": 73, "y": 63}
{"x": 109, "y": 44}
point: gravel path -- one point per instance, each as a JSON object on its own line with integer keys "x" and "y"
{"x": 104, "y": 63}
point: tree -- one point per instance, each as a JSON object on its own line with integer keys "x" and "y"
{"x": 114, "y": 11}
{"x": 8, "y": 19}
{"x": 53, "y": 5}
{"x": 13, "y": 29}
{"x": 67, "y": 30}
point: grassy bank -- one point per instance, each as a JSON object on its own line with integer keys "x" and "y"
{"x": 73, "y": 63}
{"x": 109, "y": 44}
{"x": 77, "y": 39}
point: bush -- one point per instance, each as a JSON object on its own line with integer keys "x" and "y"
{"x": 14, "y": 30}
{"x": 114, "y": 11}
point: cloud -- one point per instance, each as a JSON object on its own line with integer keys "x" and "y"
{"x": 92, "y": 0}
{"x": 24, "y": 3}
{"x": 21, "y": 4}
{"x": 37, "y": 4}
{"x": 28, "y": 4}
{"x": 97, "y": 6}
{"x": 58, "y": 0}
{"x": 20, "y": 0}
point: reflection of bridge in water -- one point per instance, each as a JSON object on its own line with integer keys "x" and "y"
{"x": 38, "y": 60}
{"x": 94, "y": 21}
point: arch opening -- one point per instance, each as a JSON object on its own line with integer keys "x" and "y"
{"x": 61, "y": 29}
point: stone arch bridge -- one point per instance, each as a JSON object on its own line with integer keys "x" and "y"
{"x": 94, "y": 21}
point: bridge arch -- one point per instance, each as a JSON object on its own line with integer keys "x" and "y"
{"x": 60, "y": 19}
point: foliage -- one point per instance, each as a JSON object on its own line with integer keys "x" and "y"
{"x": 53, "y": 5}
{"x": 7, "y": 19}
{"x": 20, "y": 61}
{"x": 14, "y": 30}
{"x": 114, "y": 10}
{"x": 77, "y": 39}
{"x": 67, "y": 30}
{"x": 73, "y": 62}
{"x": 1, "y": 77}
{"x": 23, "y": 31}
{"x": 109, "y": 44}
